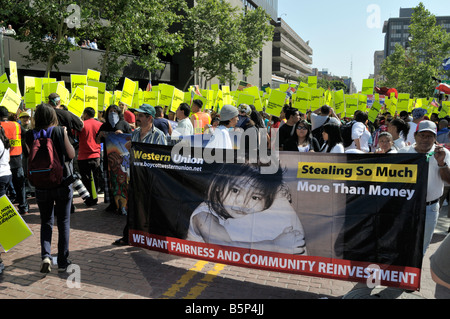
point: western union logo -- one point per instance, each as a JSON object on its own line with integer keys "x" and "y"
{"x": 392, "y": 173}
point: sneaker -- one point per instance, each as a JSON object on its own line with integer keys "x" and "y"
{"x": 46, "y": 266}
{"x": 64, "y": 268}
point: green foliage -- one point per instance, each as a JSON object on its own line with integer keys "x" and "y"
{"x": 411, "y": 70}
{"x": 223, "y": 36}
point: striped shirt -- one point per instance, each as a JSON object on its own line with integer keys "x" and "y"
{"x": 154, "y": 136}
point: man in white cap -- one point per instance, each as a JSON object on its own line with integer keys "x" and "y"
{"x": 438, "y": 172}
{"x": 229, "y": 117}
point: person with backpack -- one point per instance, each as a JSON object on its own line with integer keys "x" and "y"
{"x": 50, "y": 153}
{"x": 319, "y": 118}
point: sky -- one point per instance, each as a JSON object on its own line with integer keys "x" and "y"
{"x": 345, "y": 34}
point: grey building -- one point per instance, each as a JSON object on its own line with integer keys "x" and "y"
{"x": 397, "y": 29}
{"x": 292, "y": 56}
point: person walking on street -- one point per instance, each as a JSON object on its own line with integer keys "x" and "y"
{"x": 56, "y": 200}
{"x": 16, "y": 133}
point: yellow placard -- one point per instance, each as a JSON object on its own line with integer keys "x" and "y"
{"x": 4, "y": 78}
{"x": 339, "y": 102}
{"x": 107, "y": 100}
{"x": 276, "y": 102}
{"x": 76, "y": 104}
{"x": 178, "y": 98}
{"x": 128, "y": 89}
{"x": 383, "y": 173}
{"x": 151, "y": 98}
{"x": 301, "y": 101}
{"x": 63, "y": 93}
{"x": 368, "y": 86}
{"x": 101, "y": 89}
{"x": 30, "y": 92}
{"x": 77, "y": 80}
{"x": 93, "y": 75}
{"x": 91, "y": 97}
{"x": 13, "y": 229}
{"x": 166, "y": 95}
{"x": 11, "y": 100}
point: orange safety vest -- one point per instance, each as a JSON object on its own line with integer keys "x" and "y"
{"x": 14, "y": 134}
{"x": 200, "y": 120}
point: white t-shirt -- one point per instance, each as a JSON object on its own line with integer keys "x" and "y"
{"x": 220, "y": 139}
{"x": 359, "y": 131}
{"x": 337, "y": 149}
{"x": 399, "y": 143}
{"x": 410, "y": 140}
{"x": 5, "y": 169}
{"x": 435, "y": 182}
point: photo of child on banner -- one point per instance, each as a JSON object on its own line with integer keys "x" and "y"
{"x": 118, "y": 167}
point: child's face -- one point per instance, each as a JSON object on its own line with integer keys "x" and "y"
{"x": 243, "y": 199}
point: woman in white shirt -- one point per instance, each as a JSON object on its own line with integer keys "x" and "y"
{"x": 5, "y": 170}
{"x": 360, "y": 134}
{"x": 333, "y": 139}
{"x": 399, "y": 130}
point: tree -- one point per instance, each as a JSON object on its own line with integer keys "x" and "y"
{"x": 411, "y": 69}
{"x": 141, "y": 28}
{"x": 42, "y": 17}
{"x": 223, "y": 36}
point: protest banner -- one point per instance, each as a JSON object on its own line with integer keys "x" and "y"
{"x": 316, "y": 98}
{"x": 362, "y": 102}
{"x": 368, "y": 86}
{"x": 93, "y": 75}
{"x": 178, "y": 98}
{"x": 403, "y": 102}
{"x": 301, "y": 101}
{"x": 30, "y": 92}
{"x": 351, "y": 106}
{"x": 312, "y": 82}
{"x": 11, "y": 100}
{"x": 118, "y": 157}
{"x": 151, "y": 98}
{"x": 339, "y": 102}
{"x": 128, "y": 89}
{"x": 91, "y": 98}
{"x": 374, "y": 111}
{"x": 445, "y": 109}
{"x": 76, "y": 103}
{"x": 276, "y": 103}
{"x": 245, "y": 99}
{"x": 101, "y": 89}
{"x": 13, "y": 229}
{"x": 77, "y": 80}
{"x": 254, "y": 91}
{"x": 4, "y": 78}
{"x": 347, "y": 216}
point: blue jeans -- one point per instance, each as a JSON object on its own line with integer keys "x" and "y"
{"x": 432, "y": 215}
{"x": 4, "y": 183}
{"x": 55, "y": 202}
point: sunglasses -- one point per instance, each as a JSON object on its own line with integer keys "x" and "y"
{"x": 302, "y": 128}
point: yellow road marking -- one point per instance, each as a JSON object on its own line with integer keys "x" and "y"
{"x": 208, "y": 278}
{"x": 185, "y": 279}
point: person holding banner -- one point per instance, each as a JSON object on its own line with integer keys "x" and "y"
{"x": 438, "y": 172}
{"x": 243, "y": 208}
{"x": 115, "y": 123}
{"x": 56, "y": 201}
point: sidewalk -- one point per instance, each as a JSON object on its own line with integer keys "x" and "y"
{"x": 111, "y": 272}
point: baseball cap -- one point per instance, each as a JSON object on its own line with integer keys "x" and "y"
{"x": 147, "y": 109}
{"x": 425, "y": 126}
{"x": 24, "y": 114}
{"x": 418, "y": 113}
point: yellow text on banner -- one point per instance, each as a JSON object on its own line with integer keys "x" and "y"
{"x": 392, "y": 173}
{"x": 13, "y": 229}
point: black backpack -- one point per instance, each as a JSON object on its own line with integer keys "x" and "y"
{"x": 317, "y": 133}
{"x": 346, "y": 132}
